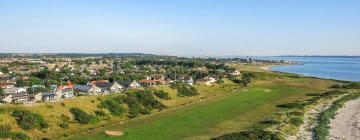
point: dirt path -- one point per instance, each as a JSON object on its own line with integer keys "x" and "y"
{"x": 346, "y": 124}
{"x": 306, "y": 129}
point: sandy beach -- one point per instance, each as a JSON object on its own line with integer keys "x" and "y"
{"x": 346, "y": 124}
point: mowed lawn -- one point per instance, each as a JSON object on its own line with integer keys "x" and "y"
{"x": 229, "y": 113}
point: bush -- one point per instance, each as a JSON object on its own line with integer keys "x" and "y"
{"x": 81, "y": 116}
{"x": 296, "y": 113}
{"x": 297, "y": 121}
{"x": 148, "y": 100}
{"x": 162, "y": 95}
{"x": 270, "y": 122}
{"x": 27, "y": 120}
{"x": 250, "y": 135}
{"x": 134, "y": 107}
{"x": 100, "y": 113}
{"x": 291, "y": 105}
{"x": 114, "y": 107}
{"x": 186, "y": 90}
{"x": 19, "y": 136}
{"x": 64, "y": 125}
{"x": 5, "y": 131}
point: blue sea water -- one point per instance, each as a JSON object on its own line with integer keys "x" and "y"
{"x": 340, "y": 68}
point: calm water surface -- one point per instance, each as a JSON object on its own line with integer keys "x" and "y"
{"x": 341, "y": 68}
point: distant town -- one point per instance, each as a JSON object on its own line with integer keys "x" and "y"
{"x": 31, "y": 78}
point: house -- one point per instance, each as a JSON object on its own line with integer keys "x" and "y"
{"x": 234, "y": 73}
{"x": 68, "y": 86}
{"x": 97, "y": 81}
{"x": 14, "y": 90}
{"x": 134, "y": 85}
{"x": 45, "y": 96}
{"x": 6, "y": 85}
{"x": 186, "y": 79}
{"x": 87, "y": 89}
{"x": 206, "y": 81}
{"x": 66, "y": 93}
{"x": 125, "y": 84}
{"x": 20, "y": 97}
{"x": 109, "y": 87}
{"x": 200, "y": 69}
{"x": 129, "y": 84}
{"x": 146, "y": 82}
{"x": 6, "y": 99}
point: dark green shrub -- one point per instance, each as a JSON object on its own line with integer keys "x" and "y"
{"x": 100, "y": 113}
{"x": 296, "y": 113}
{"x": 162, "y": 95}
{"x": 27, "y": 120}
{"x": 186, "y": 90}
{"x": 270, "y": 122}
{"x": 64, "y": 125}
{"x": 19, "y": 136}
{"x": 291, "y": 105}
{"x": 81, "y": 116}
{"x": 5, "y": 131}
{"x": 148, "y": 100}
{"x": 114, "y": 107}
{"x": 297, "y": 121}
{"x": 250, "y": 135}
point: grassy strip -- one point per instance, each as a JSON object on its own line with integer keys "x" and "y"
{"x": 321, "y": 131}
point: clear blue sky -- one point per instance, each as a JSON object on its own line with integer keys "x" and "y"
{"x": 181, "y": 27}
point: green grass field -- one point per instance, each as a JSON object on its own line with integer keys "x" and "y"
{"x": 230, "y": 113}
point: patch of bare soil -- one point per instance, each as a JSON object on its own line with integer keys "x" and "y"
{"x": 114, "y": 133}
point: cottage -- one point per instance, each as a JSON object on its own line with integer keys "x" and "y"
{"x": 66, "y": 93}
{"x": 14, "y": 90}
{"x": 129, "y": 84}
{"x": 6, "y": 85}
{"x": 87, "y": 89}
{"x": 125, "y": 84}
{"x": 6, "y": 99}
{"x": 186, "y": 79}
{"x": 206, "y": 81}
{"x": 45, "y": 96}
{"x": 146, "y": 82}
{"x": 134, "y": 84}
{"x": 68, "y": 86}
{"x": 109, "y": 87}
{"x": 234, "y": 73}
{"x": 20, "y": 98}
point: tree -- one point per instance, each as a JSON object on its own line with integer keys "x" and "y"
{"x": 34, "y": 81}
{"x": 246, "y": 78}
{"x": 4, "y": 70}
{"x": 1, "y": 92}
{"x": 20, "y": 83}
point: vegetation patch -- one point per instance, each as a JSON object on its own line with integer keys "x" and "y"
{"x": 162, "y": 95}
{"x": 82, "y": 117}
{"x": 185, "y": 90}
{"x": 250, "y": 135}
{"x": 5, "y": 133}
{"x": 28, "y": 120}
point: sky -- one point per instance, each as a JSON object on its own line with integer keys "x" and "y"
{"x": 181, "y": 27}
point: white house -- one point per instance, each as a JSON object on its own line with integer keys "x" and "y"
{"x": 207, "y": 81}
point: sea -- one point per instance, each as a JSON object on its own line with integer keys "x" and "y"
{"x": 329, "y": 67}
